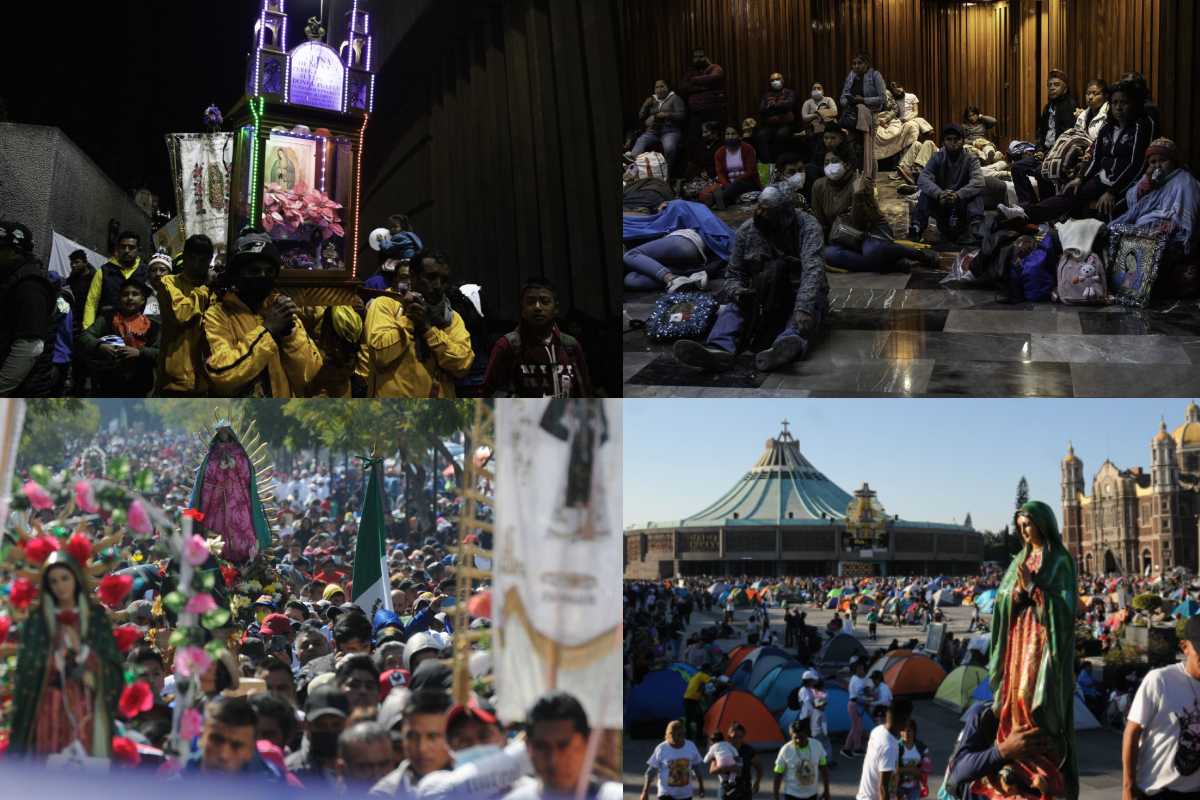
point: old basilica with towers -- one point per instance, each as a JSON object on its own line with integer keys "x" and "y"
{"x": 1136, "y": 520}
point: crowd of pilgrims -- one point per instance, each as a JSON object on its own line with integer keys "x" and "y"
{"x": 807, "y": 172}
{"x": 312, "y": 693}
{"x": 190, "y": 326}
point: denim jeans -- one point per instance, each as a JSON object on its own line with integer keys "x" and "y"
{"x": 668, "y": 138}
{"x": 728, "y": 328}
{"x": 1030, "y": 169}
{"x": 929, "y": 206}
{"x": 646, "y": 264}
{"x": 878, "y": 255}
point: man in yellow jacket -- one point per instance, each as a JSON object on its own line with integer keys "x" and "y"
{"x": 182, "y": 301}
{"x": 255, "y": 345}
{"x": 417, "y": 346}
{"x": 104, "y": 293}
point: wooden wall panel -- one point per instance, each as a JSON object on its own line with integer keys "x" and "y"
{"x": 996, "y": 55}
{"x": 489, "y": 132}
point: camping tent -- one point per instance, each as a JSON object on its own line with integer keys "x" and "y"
{"x": 717, "y": 588}
{"x": 1188, "y": 608}
{"x": 837, "y": 716}
{"x": 658, "y": 697}
{"x": 986, "y": 601}
{"x": 762, "y": 730}
{"x": 914, "y": 675}
{"x": 947, "y": 597}
{"x": 882, "y": 663}
{"x": 955, "y": 691}
{"x": 765, "y": 661}
{"x": 837, "y": 652}
{"x": 737, "y": 654}
{"x": 775, "y": 687}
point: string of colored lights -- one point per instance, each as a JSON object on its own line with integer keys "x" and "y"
{"x": 256, "y": 110}
{"x": 362, "y": 148}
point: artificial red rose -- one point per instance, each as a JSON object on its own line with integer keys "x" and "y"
{"x": 127, "y": 636}
{"x": 68, "y": 617}
{"x": 194, "y": 513}
{"x": 113, "y": 589}
{"x": 125, "y": 752}
{"x": 230, "y": 574}
{"x": 135, "y": 698}
{"x": 39, "y": 548}
{"x": 79, "y": 547}
{"x": 21, "y": 593}
{"x": 5, "y": 626}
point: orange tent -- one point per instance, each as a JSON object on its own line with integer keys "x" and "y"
{"x": 888, "y": 659}
{"x": 914, "y": 675}
{"x": 737, "y": 706}
{"x": 737, "y": 654}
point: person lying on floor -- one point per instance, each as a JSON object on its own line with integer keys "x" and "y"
{"x": 846, "y": 196}
{"x": 1167, "y": 197}
{"x": 645, "y": 186}
{"x": 685, "y": 236}
{"x": 775, "y": 294}
{"x": 951, "y": 191}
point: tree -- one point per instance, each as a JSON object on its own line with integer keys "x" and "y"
{"x": 51, "y": 423}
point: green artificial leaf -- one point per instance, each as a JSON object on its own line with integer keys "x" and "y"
{"x": 215, "y": 648}
{"x": 215, "y": 618}
{"x": 118, "y": 468}
{"x": 118, "y": 516}
{"x": 144, "y": 481}
{"x": 175, "y": 601}
{"x": 40, "y": 473}
{"x": 179, "y": 637}
{"x": 208, "y": 580}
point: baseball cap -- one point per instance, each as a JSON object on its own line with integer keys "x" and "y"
{"x": 393, "y": 679}
{"x": 326, "y": 700}
{"x": 276, "y": 625}
{"x": 16, "y": 236}
{"x": 250, "y": 246}
{"x": 481, "y": 710}
{"x": 431, "y": 674}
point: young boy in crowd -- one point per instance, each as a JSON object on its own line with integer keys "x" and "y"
{"x": 537, "y": 359}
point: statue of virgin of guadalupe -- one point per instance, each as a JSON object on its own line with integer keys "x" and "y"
{"x": 227, "y": 493}
{"x": 69, "y": 671}
{"x": 1032, "y": 663}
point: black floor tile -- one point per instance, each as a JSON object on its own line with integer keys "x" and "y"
{"x": 908, "y": 319}
{"x": 1136, "y": 323}
{"x": 1000, "y": 379}
{"x": 666, "y": 371}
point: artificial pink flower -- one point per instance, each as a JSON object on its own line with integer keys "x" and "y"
{"x": 192, "y": 660}
{"x": 195, "y": 550}
{"x": 39, "y": 498}
{"x": 85, "y": 497}
{"x": 200, "y": 604}
{"x": 139, "y": 520}
{"x": 190, "y": 724}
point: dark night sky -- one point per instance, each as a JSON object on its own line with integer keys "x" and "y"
{"x": 117, "y": 76}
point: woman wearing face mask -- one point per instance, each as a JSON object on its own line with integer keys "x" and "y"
{"x": 737, "y": 171}
{"x": 777, "y": 116}
{"x": 845, "y": 195}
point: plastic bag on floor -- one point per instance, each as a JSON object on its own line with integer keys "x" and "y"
{"x": 960, "y": 276}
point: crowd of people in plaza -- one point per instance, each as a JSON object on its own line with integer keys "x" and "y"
{"x": 1084, "y": 621}
{"x": 808, "y": 175}
{"x": 281, "y": 680}
{"x": 190, "y": 326}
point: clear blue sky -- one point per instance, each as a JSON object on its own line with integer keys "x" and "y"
{"x": 929, "y": 460}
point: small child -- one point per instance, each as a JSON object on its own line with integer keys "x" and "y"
{"x": 721, "y": 755}
{"x": 819, "y": 729}
{"x": 872, "y": 620}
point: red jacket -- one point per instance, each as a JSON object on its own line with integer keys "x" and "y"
{"x": 749, "y": 161}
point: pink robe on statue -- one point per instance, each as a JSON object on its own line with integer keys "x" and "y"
{"x": 225, "y": 501}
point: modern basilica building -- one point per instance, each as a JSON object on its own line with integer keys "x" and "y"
{"x": 784, "y": 517}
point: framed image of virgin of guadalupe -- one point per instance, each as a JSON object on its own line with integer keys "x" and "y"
{"x": 1133, "y": 258}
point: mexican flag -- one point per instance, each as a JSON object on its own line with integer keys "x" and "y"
{"x": 371, "y": 589}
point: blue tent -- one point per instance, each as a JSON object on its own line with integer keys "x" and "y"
{"x": 982, "y": 692}
{"x": 837, "y": 718}
{"x": 658, "y": 697}
{"x": 723, "y": 596}
{"x": 1188, "y": 608}
{"x": 986, "y": 601}
{"x": 781, "y": 681}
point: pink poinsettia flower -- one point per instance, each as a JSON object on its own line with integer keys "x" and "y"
{"x": 38, "y": 497}
{"x": 190, "y": 724}
{"x": 195, "y": 550}
{"x": 139, "y": 520}
{"x": 192, "y": 661}
{"x": 200, "y": 604}
{"x": 85, "y": 497}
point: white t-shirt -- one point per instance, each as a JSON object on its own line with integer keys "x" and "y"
{"x": 800, "y": 768}
{"x": 860, "y": 689}
{"x": 1167, "y": 706}
{"x": 674, "y": 765}
{"x": 883, "y": 695}
{"x": 806, "y": 702}
{"x": 883, "y": 751}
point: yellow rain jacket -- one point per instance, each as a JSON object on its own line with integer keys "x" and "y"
{"x": 337, "y": 333}
{"x": 91, "y": 306}
{"x": 389, "y": 363}
{"x": 244, "y": 360}
{"x": 181, "y": 306}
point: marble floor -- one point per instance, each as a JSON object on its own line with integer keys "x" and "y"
{"x": 902, "y": 334}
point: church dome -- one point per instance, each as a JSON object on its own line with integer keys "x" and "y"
{"x": 1162, "y": 435}
{"x": 1070, "y": 454}
{"x": 1188, "y": 434}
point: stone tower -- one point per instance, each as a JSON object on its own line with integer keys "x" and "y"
{"x": 1072, "y": 509}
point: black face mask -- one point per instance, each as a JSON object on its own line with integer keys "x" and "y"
{"x": 765, "y": 224}
{"x": 253, "y": 291}
{"x": 323, "y": 744}
{"x": 732, "y": 143}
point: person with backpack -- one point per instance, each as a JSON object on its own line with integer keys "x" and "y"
{"x": 27, "y": 328}
{"x": 537, "y": 359}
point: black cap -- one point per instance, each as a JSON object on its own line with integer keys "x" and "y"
{"x": 431, "y": 674}
{"x": 250, "y": 246}
{"x": 1192, "y": 631}
{"x": 16, "y": 236}
{"x": 954, "y": 128}
{"x": 326, "y": 700}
